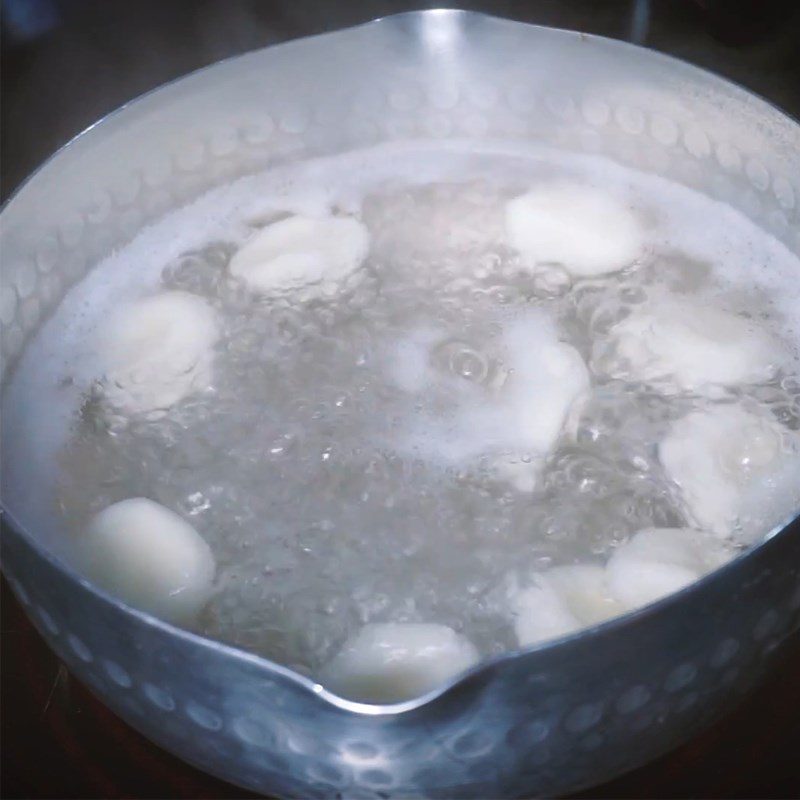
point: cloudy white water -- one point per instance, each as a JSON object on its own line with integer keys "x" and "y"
{"x": 413, "y": 419}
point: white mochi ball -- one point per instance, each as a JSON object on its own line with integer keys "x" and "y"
{"x": 688, "y": 346}
{"x": 659, "y": 561}
{"x": 150, "y": 558}
{"x": 156, "y": 351}
{"x": 587, "y": 231}
{"x": 301, "y": 251}
{"x": 737, "y": 470}
{"x": 543, "y": 394}
{"x": 390, "y": 662}
{"x": 562, "y": 600}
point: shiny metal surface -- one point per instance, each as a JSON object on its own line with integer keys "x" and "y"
{"x": 545, "y": 721}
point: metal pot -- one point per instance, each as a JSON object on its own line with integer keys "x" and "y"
{"x": 545, "y": 720}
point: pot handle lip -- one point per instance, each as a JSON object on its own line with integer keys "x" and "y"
{"x": 481, "y": 671}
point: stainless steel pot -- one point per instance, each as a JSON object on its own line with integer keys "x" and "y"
{"x": 542, "y": 721}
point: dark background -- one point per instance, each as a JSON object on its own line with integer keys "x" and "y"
{"x": 66, "y": 63}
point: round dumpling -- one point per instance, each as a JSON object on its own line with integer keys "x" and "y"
{"x": 548, "y": 380}
{"x": 561, "y": 601}
{"x": 587, "y": 231}
{"x": 150, "y": 558}
{"x": 684, "y": 345}
{"x": 546, "y": 390}
{"x": 659, "y": 561}
{"x": 301, "y": 251}
{"x": 509, "y": 408}
{"x": 547, "y": 386}
{"x": 736, "y": 469}
{"x": 156, "y": 351}
{"x": 544, "y": 395}
{"x": 390, "y": 662}
{"x": 654, "y": 563}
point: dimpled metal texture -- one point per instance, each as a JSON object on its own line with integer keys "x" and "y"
{"x": 539, "y": 722}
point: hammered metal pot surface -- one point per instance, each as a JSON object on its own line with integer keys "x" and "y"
{"x": 545, "y": 721}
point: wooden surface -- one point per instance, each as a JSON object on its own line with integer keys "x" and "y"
{"x": 59, "y": 741}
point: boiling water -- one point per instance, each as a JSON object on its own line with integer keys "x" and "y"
{"x": 327, "y": 467}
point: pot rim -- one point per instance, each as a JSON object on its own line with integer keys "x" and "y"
{"x": 770, "y": 541}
